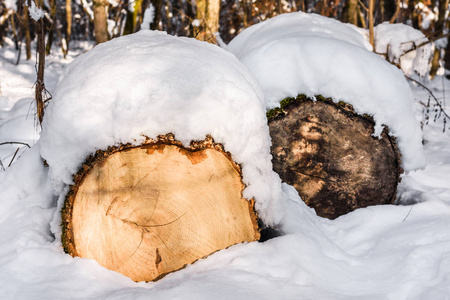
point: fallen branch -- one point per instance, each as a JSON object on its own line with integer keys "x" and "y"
{"x": 15, "y": 153}
{"x": 12, "y": 143}
{"x": 429, "y": 41}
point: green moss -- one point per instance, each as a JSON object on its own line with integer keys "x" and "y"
{"x": 274, "y": 112}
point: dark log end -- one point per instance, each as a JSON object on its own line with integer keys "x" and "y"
{"x": 327, "y": 152}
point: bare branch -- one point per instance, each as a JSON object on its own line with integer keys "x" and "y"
{"x": 12, "y": 143}
{"x": 432, "y": 95}
{"x": 15, "y": 153}
{"x": 362, "y": 5}
{"x": 397, "y": 11}
{"x": 430, "y": 40}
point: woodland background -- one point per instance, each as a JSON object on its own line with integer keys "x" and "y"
{"x": 50, "y": 25}
{"x": 66, "y": 22}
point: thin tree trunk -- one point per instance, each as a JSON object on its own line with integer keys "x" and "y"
{"x": 26, "y": 30}
{"x": 52, "y": 29}
{"x": 16, "y": 38}
{"x": 352, "y": 12}
{"x": 208, "y": 14}
{"x": 382, "y": 5}
{"x": 361, "y": 18}
{"x": 100, "y": 21}
{"x": 438, "y": 29}
{"x": 39, "y": 85}
{"x": 68, "y": 26}
{"x": 371, "y": 33}
{"x": 157, "y": 4}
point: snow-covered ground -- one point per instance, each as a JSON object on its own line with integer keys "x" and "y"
{"x": 382, "y": 252}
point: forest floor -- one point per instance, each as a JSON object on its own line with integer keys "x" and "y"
{"x": 396, "y": 252}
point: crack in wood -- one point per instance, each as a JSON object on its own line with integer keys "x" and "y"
{"x": 134, "y": 252}
{"x": 318, "y": 177}
{"x": 148, "y": 226}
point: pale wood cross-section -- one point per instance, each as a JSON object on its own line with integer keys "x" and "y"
{"x": 151, "y": 210}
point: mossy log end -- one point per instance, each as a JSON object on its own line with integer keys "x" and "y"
{"x": 327, "y": 152}
{"x": 150, "y": 210}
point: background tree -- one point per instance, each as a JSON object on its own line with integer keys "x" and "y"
{"x": 208, "y": 18}
{"x": 100, "y": 21}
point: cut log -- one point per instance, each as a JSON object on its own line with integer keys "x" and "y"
{"x": 149, "y": 210}
{"x": 327, "y": 152}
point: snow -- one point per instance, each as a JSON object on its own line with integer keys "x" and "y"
{"x": 301, "y": 53}
{"x": 35, "y": 12}
{"x": 151, "y": 83}
{"x": 149, "y": 17}
{"x": 396, "y": 39}
{"x": 11, "y": 4}
{"x": 393, "y": 252}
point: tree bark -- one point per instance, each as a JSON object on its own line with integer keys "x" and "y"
{"x": 327, "y": 152}
{"x": 352, "y": 12}
{"x": 52, "y": 28}
{"x": 26, "y": 30}
{"x": 68, "y": 32}
{"x": 208, "y": 15}
{"x": 157, "y": 4}
{"x": 150, "y": 210}
{"x": 100, "y": 21}
{"x": 438, "y": 29}
{"x": 371, "y": 24}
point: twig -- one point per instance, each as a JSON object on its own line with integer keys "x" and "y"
{"x": 408, "y": 213}
{"x": 10, "y": 163}
{"x": 1, "y": 165}
{"x": 397, "y": 11}
{"x": 362, "y": 5}
{"x": 430, "y": 40}
{"x": 432, "y": 95}
{"x": 11, "y": 143}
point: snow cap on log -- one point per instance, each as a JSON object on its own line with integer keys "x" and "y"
{"x": 301, "y": 53}
{"x": 148, "y": 84}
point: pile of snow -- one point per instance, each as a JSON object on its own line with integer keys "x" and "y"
{"x": 151, "y": 83}
{"x": 325, "y": 57}
{"x": 395, "y": 40}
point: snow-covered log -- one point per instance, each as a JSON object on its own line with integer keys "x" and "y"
{"x": 148, "y": 210}
{"x": 160, "y": 151}
{"x": 299, "y": 53}
{"x": 329, "y": 154}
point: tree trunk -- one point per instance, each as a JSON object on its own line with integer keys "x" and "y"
{"x": 150, "y": 210}
{"x": 157, "y": 4}
{"x": 208, "y": 15}
{"x": 68, "y": 32}
{"x": 352, "y": 12}
{"x": 371, "y": 24}
{"x": 51, "y": 31}
{"x": 397, "y": 11}
{"x": 327, "y": 152}
{"x": 26, "y": 30}
{"x": 100, "y": 21}
{"x": 438, "y": 30}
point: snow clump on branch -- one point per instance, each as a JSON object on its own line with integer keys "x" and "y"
{"x": 404, "y": 46}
